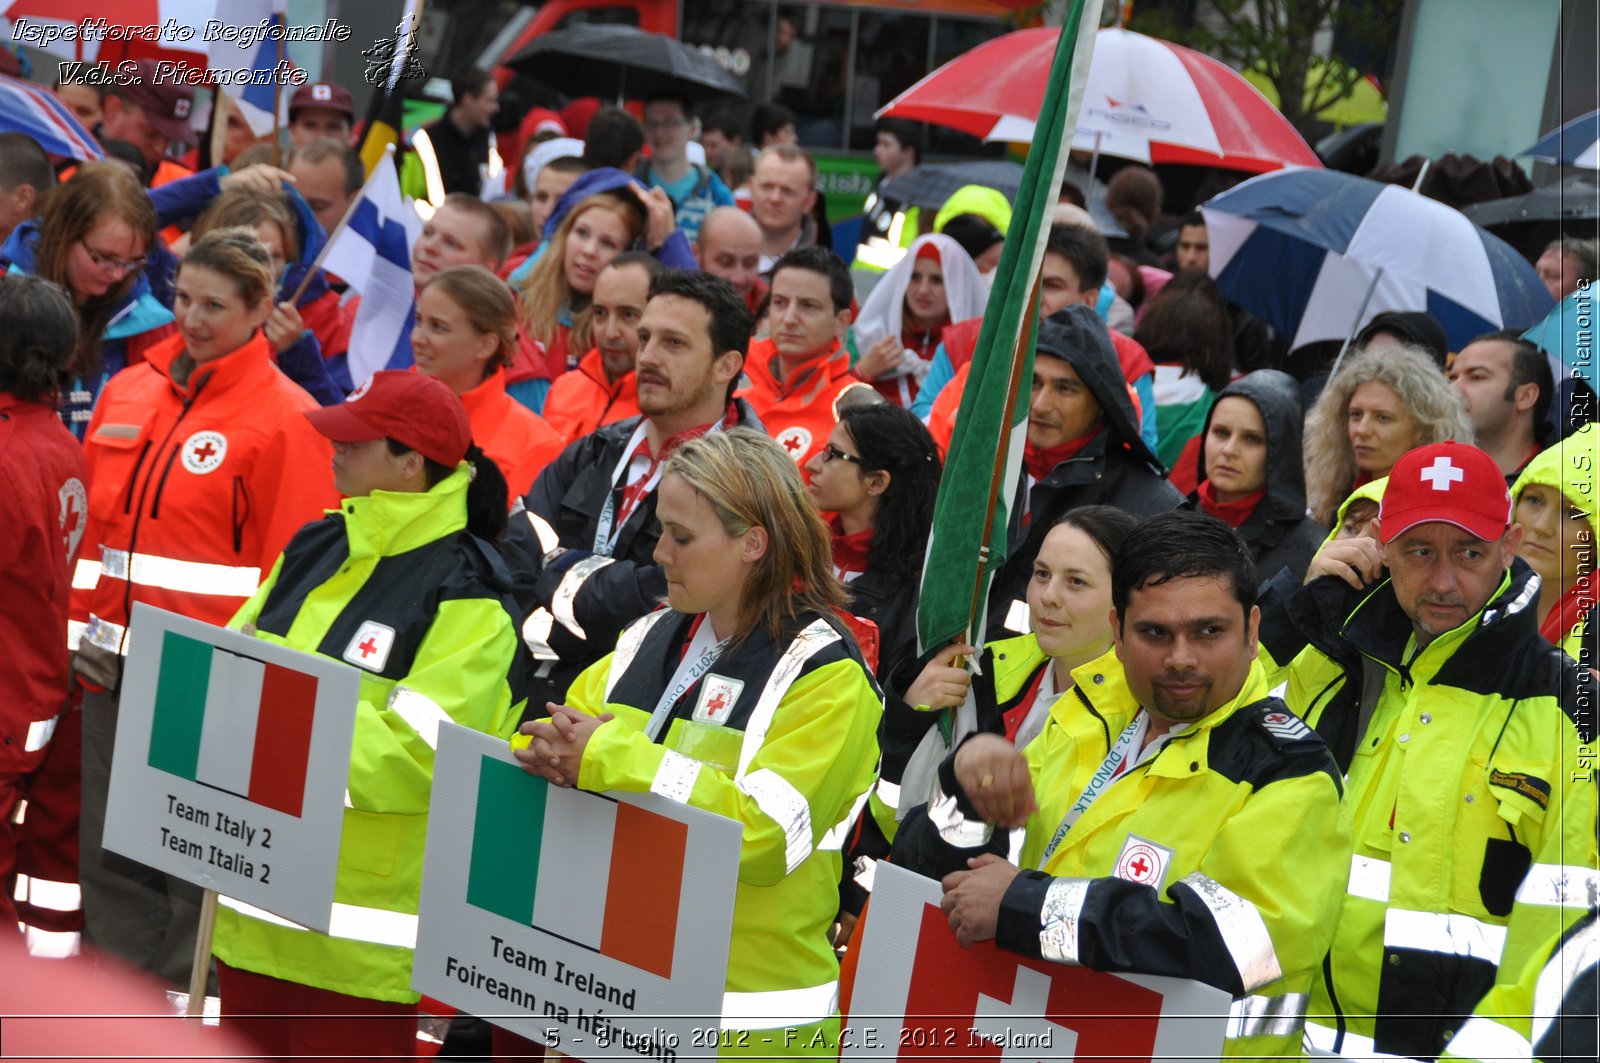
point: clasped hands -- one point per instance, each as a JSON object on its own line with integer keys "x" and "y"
{"x": 556, "y": 752}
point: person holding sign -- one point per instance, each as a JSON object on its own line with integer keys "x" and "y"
{"x": 200, "y": 469}
{"x": 1178, "y": 819}
{"x": 401, "y": 582}
{"x": 748, "y": 698}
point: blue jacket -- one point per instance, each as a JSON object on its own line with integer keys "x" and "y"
{"x": 675, "y": 253}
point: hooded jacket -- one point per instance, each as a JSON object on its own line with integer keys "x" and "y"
{"x": 1279, "y": 533}
{"x": 1568, "y": 466}
{"x": 1116, "y": 468}
{"x": 137, "y": 324}
{"x": 799, "y": 412}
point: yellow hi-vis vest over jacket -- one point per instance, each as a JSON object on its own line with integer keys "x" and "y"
{"x": 1568, "y": 467}
{"x": 1466, "y": 783}
{"x": 394, "y": 584}
{"x": 781, "y": 737}
{"x": 1240, "y": 810}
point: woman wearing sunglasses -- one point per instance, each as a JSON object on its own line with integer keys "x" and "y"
{"x": 91, "y": 240}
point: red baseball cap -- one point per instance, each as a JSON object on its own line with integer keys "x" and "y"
{"x": 324, "y": 94}
{"x": 1451, "y": 482}
{"x": 408, "y": 407}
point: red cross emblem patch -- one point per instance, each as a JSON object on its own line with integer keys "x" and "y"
{"x": 1142, "y": 861}
{"x": 370, "y": 647}
{"x": 203, "y": 452}
{"x": 717, "y": 698}
{"x": 796, "y": 442}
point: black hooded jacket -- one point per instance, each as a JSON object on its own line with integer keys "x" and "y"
{"x": 1114, "y": 469}
{"x": 1278, "y": 533}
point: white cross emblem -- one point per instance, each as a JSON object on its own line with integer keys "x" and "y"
{"x": 1443, "y": 473}
{"x": 1022, "y": 1027}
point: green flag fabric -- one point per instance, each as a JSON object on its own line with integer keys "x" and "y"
{"x": 968, "y": 541}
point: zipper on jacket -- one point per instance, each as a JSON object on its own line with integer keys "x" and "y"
{"x": 138, "y": 513}
{"x": 127, "y": 503}
{"x": 239, "y": 493}
{"x": 1333, "y": 999}
{"x": 155, "y": 504}
{"x": 1105, "y": 728}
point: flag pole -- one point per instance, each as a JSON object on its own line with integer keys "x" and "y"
{"x": 199, "y": 973}
{"x": 344, "y": 222}
{"x": 277, "y": 94}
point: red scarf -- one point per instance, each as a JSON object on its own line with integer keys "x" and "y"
{"x": 1017, "y": 713}
{"x": 849, "y": 550}
{"x": 923, "y": 342}
{"x": 1040, "y": 460}
{"x": 1232, "y": 514}
{"x": 1569, "y": 612}
{"x": 635, "y": 491}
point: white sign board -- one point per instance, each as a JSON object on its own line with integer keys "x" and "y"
{"x": 598, "y": 924}
{"x": 918, "y": 994}
{"x": 230, "y": 766}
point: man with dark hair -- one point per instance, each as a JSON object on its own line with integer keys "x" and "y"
{"x": 800, "y": 374}
{"x": 722, "y": 136}
{"x": 25, "y": 176}
{"x": 583, "y": 553}
{"x": 1417, "y": 656}
{"x": 1506, "y": 384}
{"x": 1193, "y": 253}
{"x": 151, "y": 113}
{"x": 601, "y": 389}
{"x": 897, "y": 148}
{"x": 461, "y": 142}
{"x": 84, "y": 101}
{"x": 695, "y": 190}
{"x": 320, "y": 110}
{"x": 1180, "y": 822}
{"x": 1255, "y": 346}
{"x": 772, "y": 123}
{"x": 615, "y": 138}
{"x": 327, "y": 174}
{"x": 782, "y": 193}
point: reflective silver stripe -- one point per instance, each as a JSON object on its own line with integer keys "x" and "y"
{"x": 420, "y": 712}
{"x": 75, "y": 630}
{"x": 628, "y": 646}
{"x": 39, "y": 732}
{"x": 432, "y": 176}
{"x": 1058, "y": 922}
{"x": 786, "y": 807}
{"x": 564, "y": 600}
{"x": 1243, "y": 931}
{"x": 889, "y": 793}
{"x": 836, "y": 835}
{"x": 675, "y": 776}
{"x": 47, "y": 893}
{"x": 780, "y": 1007}
{"x": 536, "y": 634}
{"x": 952, "y": 824}
{"x": 170, "y": 573}
{"x": 1485, "y": 1040}
{"x": 85, "y": 574}
{"x": 1369, "y": 878}
{"x": 1258, "y": 1016}
{"x": 817, "y": 636}
{"x": 376, "y": 926}
{"x": 113, "y": 638}
{"x": 1560, "y": 886}
{"x": 1579, "y": 954}
{"x": 549, "y": 541}
{"x": 1447, "y": 932}
{"x": 1017, "y": 616}
{"x": 52, "y": 944}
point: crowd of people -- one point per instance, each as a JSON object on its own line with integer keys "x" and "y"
{"x": 1286, "y": 681}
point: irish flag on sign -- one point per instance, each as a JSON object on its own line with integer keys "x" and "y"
{"x": 615, "y": 890}
{"x": 234, "y": 723}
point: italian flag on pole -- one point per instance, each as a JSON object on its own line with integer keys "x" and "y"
{"x": 968, "y": 542}
{"x": 615, "y": 890}
{"x": 233, "y": 723}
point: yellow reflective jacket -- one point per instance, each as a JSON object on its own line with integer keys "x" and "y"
{"x": 1464, "y": 783}
{"x": 780, "y": 737}
{"x": 1245, "y": 804}
{"x": 404, "y": 561}
{"x": 1569, "y": 468}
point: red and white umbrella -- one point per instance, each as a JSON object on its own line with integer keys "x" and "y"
{"x": 1145, "y": 99}
{"x": 135, "y": 29}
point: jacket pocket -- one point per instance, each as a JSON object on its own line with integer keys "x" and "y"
{"x": 117, "y": 454}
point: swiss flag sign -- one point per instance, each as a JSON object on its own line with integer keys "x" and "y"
{"x": 919, "y": 995}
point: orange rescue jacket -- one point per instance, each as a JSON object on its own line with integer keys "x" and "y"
{"x": 799, "y": 413}
{"x": 516, "y": 438}
{"x": 584, "y": 399}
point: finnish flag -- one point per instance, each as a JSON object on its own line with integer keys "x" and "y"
{"x": 372, "y": 253}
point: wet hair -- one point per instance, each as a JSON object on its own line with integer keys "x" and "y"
{"x": 614, "y": 137}
{"x": 236, "y": 254}
{"x": 99, "y": 190}
{"x": 487, "y": 498}
{"x": 1528, "y": 366}
{"x": 1182, "y": 544}
{"x": 497, "y": 234}
{"x": 1106, "y": 526}
{"x": 767, "y": 119}
{"x": 39, "y": 339}
{"x": 824, "y": 262}
{"x": 1134, "y": 198}
{"x": 750, "y": 481}
{"x": 730, "y": 323}
{"x": 488, "y": 304}
{"x": 247, "y": 208}
{"x": 545, "y": 289}
{"x": 1187, "y": 324}
{"x": 1412, "y": 375}
{"x": 23, "y": 162}
{"x": 325, "y": 148}
{"x": 894, "y": 440}
{"x": 1085, "y": 250}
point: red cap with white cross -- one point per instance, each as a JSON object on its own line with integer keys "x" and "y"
{"x": 1455, "y": 483}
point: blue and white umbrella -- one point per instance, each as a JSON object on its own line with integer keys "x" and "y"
{"x": 1577, "y": 143}
{"x": 1318, "y": 253}
{"x": 34, "y": 110}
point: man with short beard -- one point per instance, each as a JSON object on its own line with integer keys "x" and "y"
{"x": 602, "y": 389}
{"x": 582, "y": 554}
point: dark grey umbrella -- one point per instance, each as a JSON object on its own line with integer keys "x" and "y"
{"x": 622, "y": 62}
{"x": 929, "y": 186}
{"x": 1575, "y": 198}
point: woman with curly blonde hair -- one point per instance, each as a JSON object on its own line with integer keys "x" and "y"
{"x": 1382, "y": 404}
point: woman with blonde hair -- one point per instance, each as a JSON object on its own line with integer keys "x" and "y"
{"x": 465, "y": 335}
{"x": 746, "y": 697}
{"x": 1380, "y": 405}
{"x": 91, "y": 239}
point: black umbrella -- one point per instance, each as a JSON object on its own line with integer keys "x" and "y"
{"x": 929, "y": 186}
{"x": 619, "y": 62}
{"x": 1576, "y": 198}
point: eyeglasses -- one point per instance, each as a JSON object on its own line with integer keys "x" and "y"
{"x": 833, "y": 453}
{"x": 105, "y": 261}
